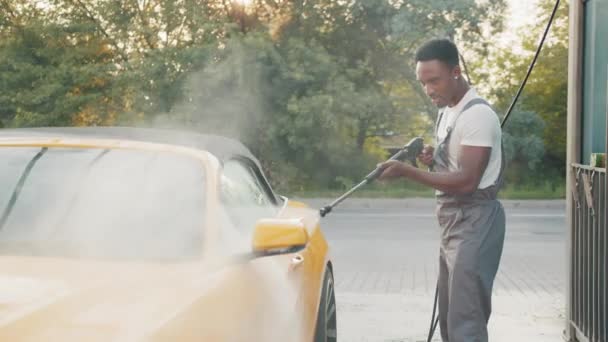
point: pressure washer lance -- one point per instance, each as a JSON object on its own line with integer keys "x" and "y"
{"x": 409, "y": 152}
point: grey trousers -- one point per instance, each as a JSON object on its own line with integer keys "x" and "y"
{"x": 471, "y": 246}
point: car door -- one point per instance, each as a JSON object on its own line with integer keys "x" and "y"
{"x": 249, "y": 198}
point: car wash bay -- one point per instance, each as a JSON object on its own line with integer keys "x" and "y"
{"x": 385, "y": 255}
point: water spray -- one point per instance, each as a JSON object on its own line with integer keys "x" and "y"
{"x": 409, "y": 152}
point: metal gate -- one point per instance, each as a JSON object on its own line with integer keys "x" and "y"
{"x": 589, "y": 255}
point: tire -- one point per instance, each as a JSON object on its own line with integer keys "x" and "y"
{"x": 326, "y": 328}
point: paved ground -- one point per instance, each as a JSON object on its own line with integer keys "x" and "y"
{"x": 385, "y": 255}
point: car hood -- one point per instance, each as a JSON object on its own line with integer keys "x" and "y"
{"x": 47, "y": 299}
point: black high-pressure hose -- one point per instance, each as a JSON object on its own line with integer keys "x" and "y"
{"x": 415, "y": 145}
{"x": 434, "y": 318}
{"x": 540, "y": 46}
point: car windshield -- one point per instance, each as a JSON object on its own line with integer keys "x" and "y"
{"x": 100, "y": 203}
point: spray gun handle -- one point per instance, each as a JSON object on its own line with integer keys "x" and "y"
{"x": 411, "y": 150}
{"x": 406, "y": 155}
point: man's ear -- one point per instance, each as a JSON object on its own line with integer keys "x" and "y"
{"x": 456, "y": 72}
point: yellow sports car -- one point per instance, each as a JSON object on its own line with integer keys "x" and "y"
{"x": 124, "y": 234}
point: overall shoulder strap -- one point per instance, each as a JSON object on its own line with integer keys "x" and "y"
{"x": 474, "y": 102}
{"x": 439, "y": 118}
{"x": 467, "y": 106}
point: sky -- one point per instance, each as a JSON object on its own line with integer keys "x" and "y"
{"x": 521, "y": 13}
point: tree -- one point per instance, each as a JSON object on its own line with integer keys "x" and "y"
{"x": 54, "y": 75}
{"x": 523, "y": 146}
{"x": 546, "y": 90}
{"x": 310, "y": 86}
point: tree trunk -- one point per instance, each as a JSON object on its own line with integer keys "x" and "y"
{"x": 362, "y": 134}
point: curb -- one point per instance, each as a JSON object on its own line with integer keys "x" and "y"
{"x": 414, "y": 203}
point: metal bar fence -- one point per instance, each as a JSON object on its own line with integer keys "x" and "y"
{"x": 589, "y": 255}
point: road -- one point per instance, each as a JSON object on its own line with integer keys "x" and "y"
{"x": 385, "y": 257}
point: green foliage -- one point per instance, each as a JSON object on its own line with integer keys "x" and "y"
{"x": 50, "y": 73}
{"x": 523, "y": 141}
{"x": 544, "y": 190}
{"x": 545, "y": 93}
{"x": 314, "y": 88}
{"x": 523, "y": 147}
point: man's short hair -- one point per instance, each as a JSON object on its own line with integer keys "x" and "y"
{"x": 443, "y": 50}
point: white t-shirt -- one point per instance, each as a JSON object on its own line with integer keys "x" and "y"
{"x": 477, "y": 126}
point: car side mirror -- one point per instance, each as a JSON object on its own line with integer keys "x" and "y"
{"x": 279, "y": 236}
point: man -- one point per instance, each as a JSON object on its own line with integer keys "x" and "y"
{"x": 465, "y": 168}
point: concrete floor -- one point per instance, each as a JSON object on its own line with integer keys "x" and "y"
{"x": 385, "y": 259}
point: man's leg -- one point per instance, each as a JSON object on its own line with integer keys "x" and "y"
{"x": 471, "y": 280}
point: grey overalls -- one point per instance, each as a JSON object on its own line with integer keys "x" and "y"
{"x": 472, "y": 236}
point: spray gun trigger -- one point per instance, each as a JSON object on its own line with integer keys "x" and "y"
{"x": 413, "y": 161}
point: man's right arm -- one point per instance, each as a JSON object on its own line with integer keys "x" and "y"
{"x": 473, "y": 161}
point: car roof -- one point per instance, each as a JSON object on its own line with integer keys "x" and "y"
{"x": 221, "y": 147}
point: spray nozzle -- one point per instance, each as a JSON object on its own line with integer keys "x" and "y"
{"x": 325, "y": 210}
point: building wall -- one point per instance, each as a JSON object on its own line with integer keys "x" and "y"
{"x": 595, "y": 77}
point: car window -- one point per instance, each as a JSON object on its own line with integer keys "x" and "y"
{"x": 242, "y": 185}
{"x": 244, "y": 196}
{"x": 100, "y": 203}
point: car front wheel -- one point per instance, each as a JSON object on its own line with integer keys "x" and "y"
{"x": 326, "y": 330}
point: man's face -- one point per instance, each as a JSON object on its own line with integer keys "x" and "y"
{"x": 437, "y": 80}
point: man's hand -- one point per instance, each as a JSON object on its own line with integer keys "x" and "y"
{"x": 426, "y": 156}
{"x": 473, "y": 161}
{"x": 393, "y": 169}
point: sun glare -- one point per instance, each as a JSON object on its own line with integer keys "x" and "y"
{"x": 244, "y": 2}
